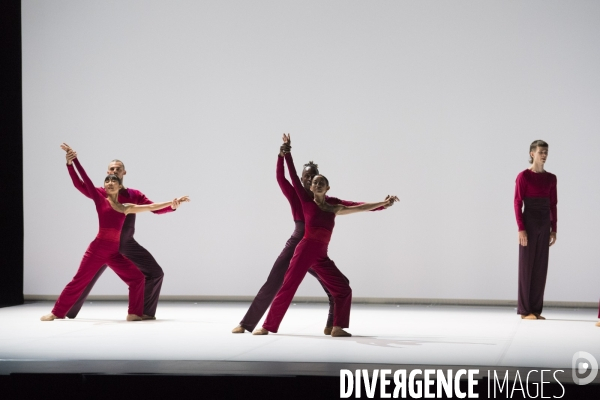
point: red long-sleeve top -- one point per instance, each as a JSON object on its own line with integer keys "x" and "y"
{"x": 532, "y": 184}
{"x": 290, "y": 193}
{"x": 319, "y": 223}
{"x": 126, "y": 196}
{"x": 110, "y": 221}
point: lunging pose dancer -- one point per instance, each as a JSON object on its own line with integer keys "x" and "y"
{"x": 311, "y": 252}
{"x": 128, "y": 246}
{"x": 536, "y": 189}
{"x": 105, "y": 247}
{"x": 267, "y": 292}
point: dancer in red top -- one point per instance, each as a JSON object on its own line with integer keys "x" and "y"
{"x": 267, "y": 292}
{"x": 311, "y": 252}
{"x": 105, "y": 248}
{"x": 128, "y": 246}
{"x": 536, "y": 189}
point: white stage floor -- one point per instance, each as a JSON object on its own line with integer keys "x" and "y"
{"x": 196, "y": 338}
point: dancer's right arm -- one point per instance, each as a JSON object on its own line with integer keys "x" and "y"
{"x": 78, "y": 183}
{"x": 520, "y": 190}
{"x": 300, "y": 191}
{"x": 91, "y": 191}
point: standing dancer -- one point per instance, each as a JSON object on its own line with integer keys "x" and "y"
{"x": 267, "y": 292}
{"x": 131, "y": 249}
{"x": 536, "y": 188}
{"x": 105, "y": 248}
{"x": 311, "y": 252}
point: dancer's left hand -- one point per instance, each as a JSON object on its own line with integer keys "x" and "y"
{"x": 552, "y": 238}
{"x": 177, "y": 202}
{"x": 391, "y": 200}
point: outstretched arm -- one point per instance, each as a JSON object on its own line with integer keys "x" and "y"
{"x": 345, "y": 210}
{"x": 135, "y": 208}
{"x": 140, "y": 198}
{"x": 77, "y": 182}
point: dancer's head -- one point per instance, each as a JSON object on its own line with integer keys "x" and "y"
{"x": 538, "y": 152}
{"x": 116, "y": 167}
{"x": 112, "y": 184}
{"x": 320, "y": 185}
{"x": 308, "y": 173}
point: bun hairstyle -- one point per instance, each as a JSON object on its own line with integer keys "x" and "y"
{"x": 534, "y": 145}
{"x": 112, "y": 177}
{"x": 310, "y": 164}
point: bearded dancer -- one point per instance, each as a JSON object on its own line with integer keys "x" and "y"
{"x": 105, "y": 247}
{"x": 267, "y": 292}
{"x": 128, "y": 246}
{"x": 311, "y": 252}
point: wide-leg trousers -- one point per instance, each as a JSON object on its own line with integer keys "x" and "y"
{"x": 144, "y": 261}
{"x": 533, "y": 258}
{"x": 267, "y": 292}
{"x": 98, "y": 253}
{"x": 311, "y": 254}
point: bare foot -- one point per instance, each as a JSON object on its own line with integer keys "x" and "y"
{"x": 238, "y": 329}
{"x": 339, "y": 332}
{"x": 598, "y": 323}
{"x": 261, "y": 331}
{"x": 530, "y": 316}
{"x": 133, "y": 317}
{"x": 539, "y": 316}
{"x": 148, "y": 317}
{"x": 328, "y": 330}
{"x": 49, "y": 317}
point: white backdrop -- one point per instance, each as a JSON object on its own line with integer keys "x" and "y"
{"x": 436, "y": 102}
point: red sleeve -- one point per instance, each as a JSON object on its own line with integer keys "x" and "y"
{"x": 348, "y": 203}
{"x": 302, "y": 195}
{"x": 285, "y": 186}
{"x": 78, "y": 183}
{"x": 553, "y": 202}
{"x": 520, "y": 190}
{"x": 91, "y": 191}
{"x": 140, "y": 198}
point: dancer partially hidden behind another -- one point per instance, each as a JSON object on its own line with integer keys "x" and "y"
{"x": 536, "y": 189}
{"x": 311, "y": 252}
{"x": 105, "y": 248}
{"x": 267, "y": 292}
{"x": 128, "y": 246}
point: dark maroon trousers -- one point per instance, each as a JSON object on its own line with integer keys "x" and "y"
{"x": 533, "y": 258}
{"x": 267, "y": 292}
{"x": 145, "y": 263}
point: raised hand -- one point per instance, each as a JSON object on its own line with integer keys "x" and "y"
{"x": 71, "y": 154}
{"x": 286, "y": 147}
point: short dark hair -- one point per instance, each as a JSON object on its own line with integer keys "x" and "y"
{"x": 119, "y": 161}
{"x": 534, "y": 145}
{"x": 113, "y": 177}
{"x": 309, "y": 164}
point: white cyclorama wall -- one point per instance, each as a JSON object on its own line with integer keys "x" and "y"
{"x": 436, "y": 102}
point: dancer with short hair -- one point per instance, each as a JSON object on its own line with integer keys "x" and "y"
{"x": 104, "y": 249}
{"x": 267, "y": 292}
{"x": 311, "y": 252}
{"x": 128, "y": 246}
{"x": 535, "y": 189}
